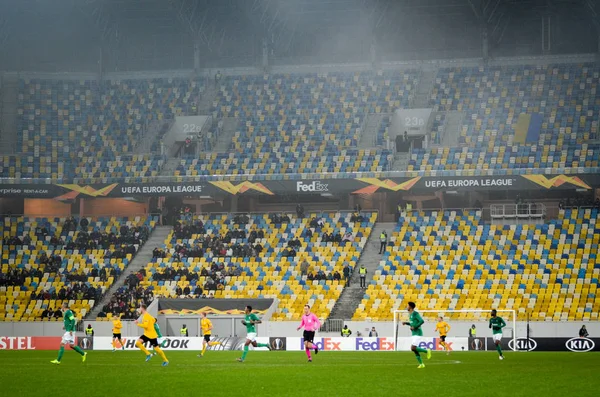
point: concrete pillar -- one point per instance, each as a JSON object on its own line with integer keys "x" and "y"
{"x": 234, "y": 204}
{"x": 265, "y": 54}
{"x": 197, "y": 58}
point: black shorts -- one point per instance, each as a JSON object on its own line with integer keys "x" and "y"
{"x": 116, "y": 336}
{"x": 309, "y": 336}
{"x": 153, "y": 341}
{"x": 207, "y": 338}
{"x": 443, "y": 338}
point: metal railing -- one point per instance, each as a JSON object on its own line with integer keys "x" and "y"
{"x": 518, "y": 211}
{"x": 332, "y": 325}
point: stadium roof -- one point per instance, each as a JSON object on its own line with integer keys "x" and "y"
{"x": 161, "y": 34}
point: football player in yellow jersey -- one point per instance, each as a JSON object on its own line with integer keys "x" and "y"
{"x": 206, "y": 326}
{"x": 117, "y": 326}
{"x": 150, "y": 336}
{"x": 443, "y": 328}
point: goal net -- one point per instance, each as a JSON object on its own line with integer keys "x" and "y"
{"x": 460, "y": 322}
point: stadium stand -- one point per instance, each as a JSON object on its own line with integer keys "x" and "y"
{"x": 454, "y": 260}
{"x": 256, "y": 256}
{"x": 48, "y": 260}
{"x": 106, "y": 121}
{"x": 494, "y": 97}
{"x": 289, "y": 121}
{"x": 309, "y": 122}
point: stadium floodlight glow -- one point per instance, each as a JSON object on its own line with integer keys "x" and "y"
{"x": 481, "y": 315}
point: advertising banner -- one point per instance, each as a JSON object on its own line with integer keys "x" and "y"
{"x": 576, "y": 345}
{"x": 178, "y": 343}
{"x": 332, "y": 186}
{"x": 30, "y": 342}
{"x": 454, "y": 344}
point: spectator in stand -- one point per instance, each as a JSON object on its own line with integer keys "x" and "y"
{"x": 304, "y": 268}
{"x": 347, "y": 274}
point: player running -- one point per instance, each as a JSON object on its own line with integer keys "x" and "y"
{"x": 415, "y": 321}
{"x": 161, "y": 342}
{"x": 117, "y": 326}
{"x": 68, "y": 338}
{"x": 250, "y": 320}
{"x": 310, "y": 323}
{"x": 496, "y": 324}
{"x": 150, "y": 336}
{"x": 207, "y": 327}
{"x": 443, "y": 328}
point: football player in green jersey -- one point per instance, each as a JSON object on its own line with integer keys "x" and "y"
{"x": 496, "y": 324}
{"x": 250, "y": 320}
{"x": 68, "y": 338}
{"x": 415, "y": 321}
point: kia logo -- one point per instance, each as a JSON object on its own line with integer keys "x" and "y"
{"x": 522, "y": 344}
{"x": 580, "y": 345}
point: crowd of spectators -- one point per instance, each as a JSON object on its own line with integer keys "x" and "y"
{"x": 586, "y": 202}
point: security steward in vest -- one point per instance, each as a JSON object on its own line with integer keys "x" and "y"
{"x": 89, "y": 331}
{"x": 472, "y": 331}
{"x": 183, "y": 332}
{"x": 383, "y": 238}
{"x": 363, "y": 276}
{"x": 346, "y": 332}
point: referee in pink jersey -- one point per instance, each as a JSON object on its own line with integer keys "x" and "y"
{"x": 311, "y": 324}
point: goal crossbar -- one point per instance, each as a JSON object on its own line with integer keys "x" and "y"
{"x": 510, "y": 313}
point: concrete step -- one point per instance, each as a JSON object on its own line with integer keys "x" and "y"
{"x": 141, "y": 259}
{"x": 351, "y": 297}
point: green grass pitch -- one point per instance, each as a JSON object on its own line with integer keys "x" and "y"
{"x": 29, "y": 373}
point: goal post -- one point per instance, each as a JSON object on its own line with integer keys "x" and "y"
{"x": 460, "y": 321}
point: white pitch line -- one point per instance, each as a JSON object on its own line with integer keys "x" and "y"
{"x": 88, "y": 364}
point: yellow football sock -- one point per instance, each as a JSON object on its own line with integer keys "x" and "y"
{"x": 161, "y": 353}
{"x": 140, "y": 346}
{"x": 214, "y": 343}
{"x": 203, "y": 349}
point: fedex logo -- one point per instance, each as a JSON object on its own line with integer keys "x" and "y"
{"x": 434, "y": 344}
{"x": 374, "y": 344}
{"x": 325, "y": 344}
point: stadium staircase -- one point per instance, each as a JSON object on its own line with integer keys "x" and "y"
{"x": 424, "y": 88}
{"x": 369, "y": 130}
{"x": 400, "y": 162}
{"x": 8, "y": 115}
{"x": 150, "y": 136}
{"x": 452, "y": 129}
{"x": 207, "y": 98}
{"x": 143, "y": 257}
{"x": 351, "y": 296}
{"x": 230, "y": 127}
{"x": 170, "y": 166}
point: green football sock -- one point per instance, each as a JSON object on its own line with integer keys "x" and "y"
{"x": 245, "y": 352}
{"x": 499, "y": 349}
{"x": 419, "y": 359}
{"x": 262, "y": 345}
{"x": 78, "y": 350}
{"x": 421, "y": 350}
{"x": 61, "y": 351}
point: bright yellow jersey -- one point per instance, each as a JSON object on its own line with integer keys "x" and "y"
{"x": 147, "y": 324}
{"x": 443, "y": 328}
{"x": 117, "y": 326}
{"x": 206, "y": 326}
